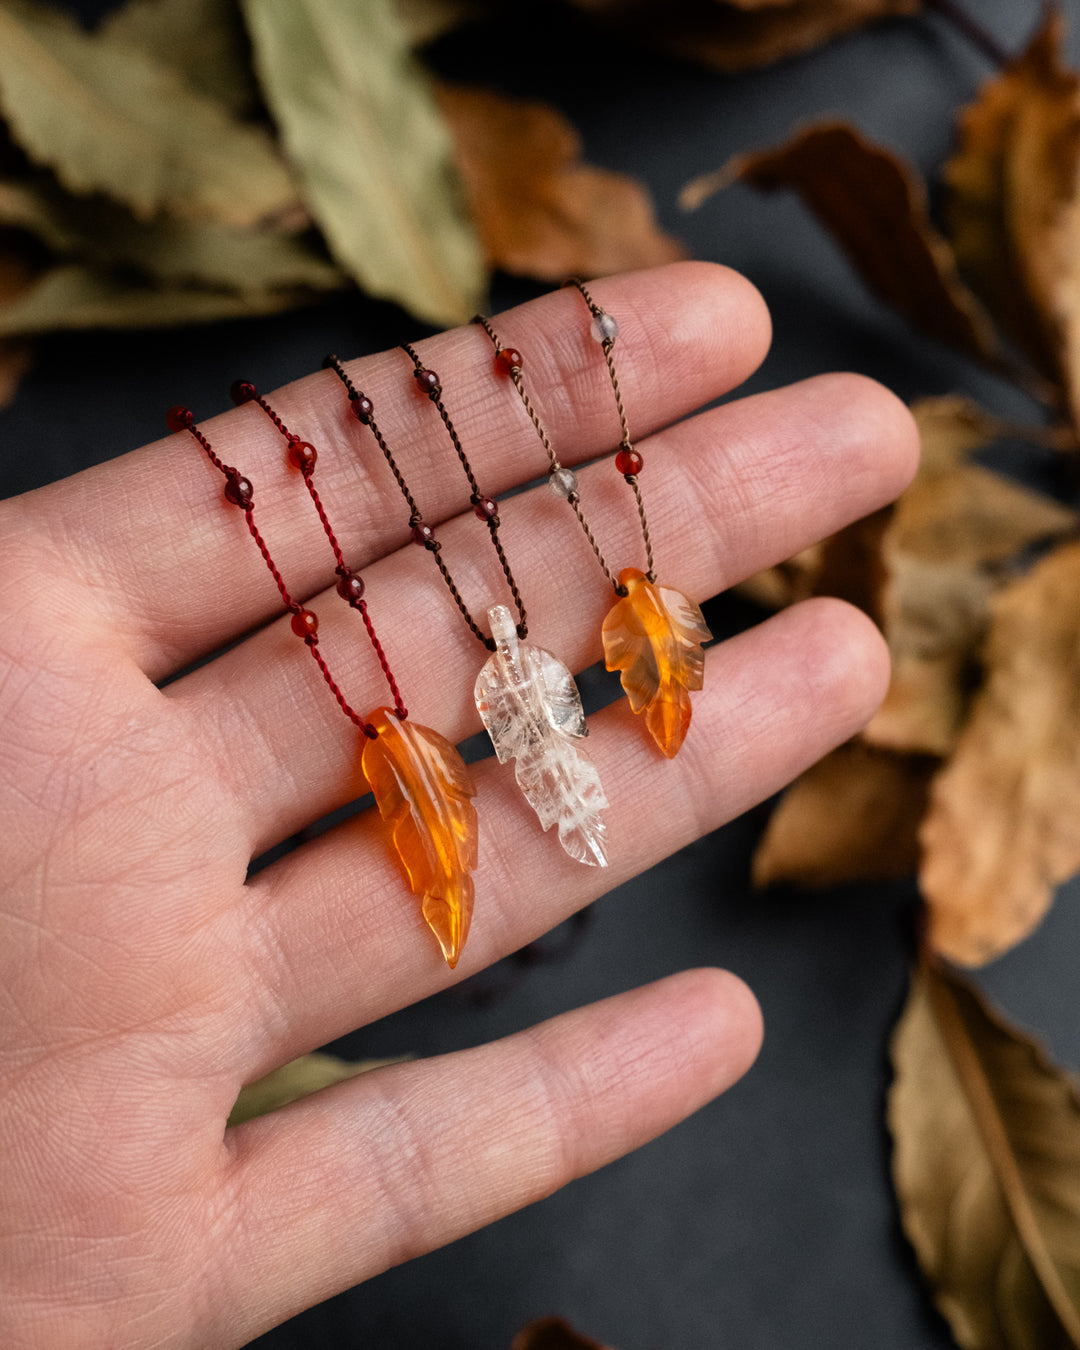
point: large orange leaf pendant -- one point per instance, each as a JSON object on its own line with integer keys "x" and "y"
{"x": 653, "y": 636}
{"x": 423, "y": 788}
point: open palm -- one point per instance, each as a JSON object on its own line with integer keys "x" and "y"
{"x": 144, "y": 980}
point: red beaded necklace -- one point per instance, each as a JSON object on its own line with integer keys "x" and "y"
{"x": 652, "y": 634}
{"x": 526, "y": 697}
{"x": 419, "y": 781}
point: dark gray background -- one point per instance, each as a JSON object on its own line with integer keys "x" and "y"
{"x": 766, "y": 1221}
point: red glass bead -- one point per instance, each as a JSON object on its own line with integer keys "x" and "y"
{"x": 302, "y": 456}
{"x": 486, "y": 509}
{"x": 422, "y": 534}
{"x": 507, "y": 359}
{"x": 179, "y": 419}
{"x": 428, "y": 382}
{"x": 350, "y": 587}
{"x": 628, "y": 462}
{"x": 242, "y": 391}
{"x": 305, "y": 623}
{"x": 363, "y": 408}
{"x": 239, "y": 491}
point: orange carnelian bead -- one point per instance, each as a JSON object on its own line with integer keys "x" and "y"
{"x": 305, "y": 623}
{"x": 628, "y": 462}
{"x": 302, "y": 455}
{"x": 508, "y": 359}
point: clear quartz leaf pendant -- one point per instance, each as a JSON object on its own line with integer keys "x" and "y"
{"x": 532, "y": 710}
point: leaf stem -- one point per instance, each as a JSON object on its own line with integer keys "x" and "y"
{"x": 975, "y": 33}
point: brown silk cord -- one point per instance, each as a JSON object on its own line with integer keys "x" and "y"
{"x": 416, "y": 518}
{"x": 477, "y": 496}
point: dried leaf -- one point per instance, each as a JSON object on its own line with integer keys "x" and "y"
{"x": 425, "y": 20}
{"x": 654, "y": 636}
{"x": 948, "y": 548}
{"x": 1013, "y": 203}
{"x": 106, "y": 118}
{"x": 785, "y": 584}
{"x": 1004, "y": 821}
{"x": 175, "y": 251}
{"x": 204, "y": 40}
{"x": 553, "y": 1333}
{"x": 539, "y": 210}
{"x": 423, "y": 788}
{"x": 986, "y": 1163}
{"x": 76, "y": 297}
{"x": 853, "y": 817}
{"x": 742, "y": 33}
{"x": 358, "y": 120}
{"x": 874, "y": 205}
{"x": 300, "y": 1078}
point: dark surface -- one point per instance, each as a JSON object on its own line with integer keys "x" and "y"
{"x": 767, "y": 1220}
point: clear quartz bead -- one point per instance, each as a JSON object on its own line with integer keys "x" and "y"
{"x": 603, "y": 327}
{"x": 562, "y": 482}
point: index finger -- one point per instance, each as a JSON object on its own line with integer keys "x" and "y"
{"x": 144, "y": 531}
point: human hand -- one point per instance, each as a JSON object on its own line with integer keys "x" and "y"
{"x": 144, "y": 981}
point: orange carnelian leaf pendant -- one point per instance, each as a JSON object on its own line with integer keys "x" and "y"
{"x": 654, "y": 636}
{"x": 423, "y": 788}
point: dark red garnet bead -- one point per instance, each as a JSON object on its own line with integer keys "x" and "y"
{"x": 422, "y": 534}
{"x": 507, "y": 359}
{"x": 363, "y": 408}
{"x": 305, "y": 623}
{"x": 242, "y": 391}
{"x": 628, "y": 462}
{"x": 179, "y": 419}
{"x": 239, "y": 491}
{"x": 428, "y": 382}
{"x": 486, "y": 509}
{"x": 350, "y": 587}
{"x": 302, "y": 456}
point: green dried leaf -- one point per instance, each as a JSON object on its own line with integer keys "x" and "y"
{"x": 301, "y": 1078}
{"x": 986, "y": 1162}
{"x": 204, "y": 40}
{"x": 358, "y": 121}
{"x": 76, "y": 297}
{"x": 98, "y": 231}
{"x": 106, "y": 118}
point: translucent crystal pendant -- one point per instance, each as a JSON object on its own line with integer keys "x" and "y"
{"x": 532, "y": 710}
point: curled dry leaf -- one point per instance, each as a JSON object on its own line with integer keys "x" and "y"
{"x": 358, "y": 120}
{"x": 539, "y": 210}
{"x": 300, "y": 1078}
{"x": 107, "y": 118}
{"x": 1004, "y": 821}
{"x": 1013, "y": 204}
{"x": 741, "y": 34}
{"x": 986, "y": 1163}
{"x": 553, "y": 1333}
{"x": 875, "y": 206}
{"x": 853, "y": 817}
{"x": 947, "y": 549}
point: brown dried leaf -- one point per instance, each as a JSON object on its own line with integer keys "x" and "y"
{"x": 986, "y": 1163}
{"x": 853, "y": 817}
{"x": 946, "y": 550}
{"x": 1013, "y": 205}
{"x": 553, "y": 1333}
{"x": 874, "y": 204}
{"x": 1003, "y": 825}
{"x": 743, "y": 33}
{"x": 539, "y": 210}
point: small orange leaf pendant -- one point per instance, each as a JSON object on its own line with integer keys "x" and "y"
{"x": 423, "y": 788}
{"x": 654, "y": 636}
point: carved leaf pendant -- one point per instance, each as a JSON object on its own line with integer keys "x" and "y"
{"x": 532, "y": 710}
{"x": 423, "y": 788}
{"x": 654, "y": 636}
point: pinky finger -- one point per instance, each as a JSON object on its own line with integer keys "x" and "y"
{"x": 383, "y": 1168}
